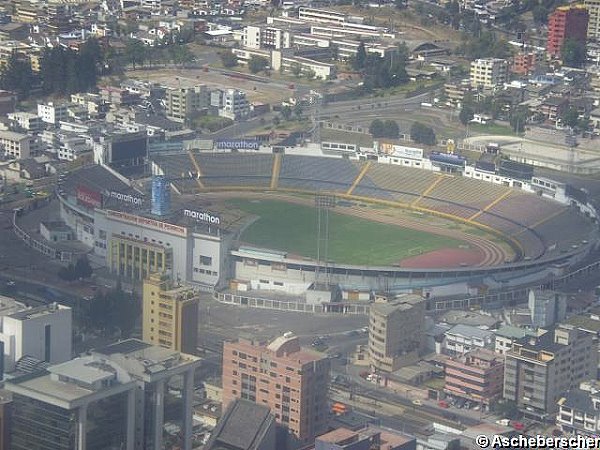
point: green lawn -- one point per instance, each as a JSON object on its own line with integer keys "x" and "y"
{"x": 293, "y": 228}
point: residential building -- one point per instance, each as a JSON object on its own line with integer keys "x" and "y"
{"x": 118, "y": 96}
{"x": 244, "y": 426}
{"x": 477, "y": 376}
{"x": 257, "y": 37}
{"x": 52, "y": 113}
{"x": 579, "y": 410}
{"x": 25, "y": 121}
{"x": 539, "y": 370}
{"x": 290, "y": 380}
{"x": 314, "y": 15}
{"x": 18, "y": 145}
{"x": 369, "y": 438}
{"x": 83, "y": 404}
{"x": 234, "y": 104}
{"x": 505, "y": 337}
{"x": 547, "y": 307}
{"x": 552, "y": 108}
{"x": 566, "y": 22}
{"x": 44, "y": 333}
{"x": 396, "y": 332}
{"x": 488, "y": 73}
{"x": 524, "y": 63}
{"x": 183, "y": 102}
{"x": 170, "y": 314}
{"x": 593, "y": 29}
{"x": 461, "y": 339}
{"x": 456, "y": 92}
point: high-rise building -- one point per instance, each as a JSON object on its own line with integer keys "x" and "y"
{"x": 44, "y": 333}
{"x": 170, "y": 314}
{"x": 396, "y": 331}
{"x": 476, "y": 376}
{"x": 539, "y": 370}
{"x": 566, "y": 22}
{"x": 593, "y": 30}
{"x": 244, "y": 426}
{"x": 290, "y": 380}
{"x": 488, "y": 73}
{"x": 84, "y": 404}
{"x": 546, "y": 307}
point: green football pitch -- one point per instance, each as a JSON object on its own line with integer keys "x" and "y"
{"x": 293, "y": 228}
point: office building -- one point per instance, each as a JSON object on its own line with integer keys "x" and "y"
{"x": 290, "y": 380}
{"x": 593, "y": 30}
{"x": 579, "y": 410}
{"x": 170, "y": 314}
{"x": 84, "y": 404}
{"x": 165, "y": 391}
{"x": 5, "y": 418}
{"x": 488, "y": 73}
{"x": 566, "y": 22}
{"x": 183, "y": 102}
{"x": 44, "y": 333}
{"x": 539, "y": 370}
{"x": 369, "y": 438}
{"x": 244, "y": 426}
{"x": 18, "y": 145}
{"x": 477, "y": 376}
{"x": 396, "y": 331}
{"x": 546, "y": 307}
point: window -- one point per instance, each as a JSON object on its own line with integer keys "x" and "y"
{"x": 205, "y": 260}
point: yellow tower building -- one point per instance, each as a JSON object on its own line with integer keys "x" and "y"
{"x": 170, "y": 314}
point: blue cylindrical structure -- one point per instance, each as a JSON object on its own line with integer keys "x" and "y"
{"x": 161, "y": 196}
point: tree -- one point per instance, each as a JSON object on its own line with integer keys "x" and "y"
{"x": 296, "y": 69}
{"x": 17, "y": 75}
{"x": 518, "y": 119}
{"x": 310, "y": 74}
{"x": 286, "y": 112}
{"x": 228, "y": 59}
{"x": 386, "y": 128}
{"x": 298, "y": 110}
{"x": 257, "y": 64}
{"x": 573, "y": 53}
{"x": 135, "y": 52}
{"x": 83, "y": 268}
{"x": 67, "y": 273}
{"x": 466, "y": 115}
{"x": 377, "y": 128}
{"x": 360, "y": 59}
{"x": 505, "y": 408}
{"x": 570, "y": 117}
{"x": 422, "y": 134}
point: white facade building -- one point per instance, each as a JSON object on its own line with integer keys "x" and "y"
{"x": 18, "y": 145}
{"x": 26, "y": 121}
{"x": 52, "y": 113}
{"x": 44, "y": 333}
{"x": 461, "y": 339}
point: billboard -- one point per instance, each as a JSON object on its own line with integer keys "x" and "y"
{"x": 147, "y": 222}
{"x": 516, "y": 170}
{"x": 447, "y": 159}
{"x": 237, "y": 144}
{"x": 125, "y": 198}
{"x": 407, "y": 152}
{"x": 88, "y": 197}
{"x": 202, "y": 216}
{"x": 134, "y": 148}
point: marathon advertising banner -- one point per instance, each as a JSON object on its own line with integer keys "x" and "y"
{"x": 237, "y": 144}
{"x": 125, "y": 198}
{"x": 88, "y": 197}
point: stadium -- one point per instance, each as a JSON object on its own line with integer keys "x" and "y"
{"x": 284, "y": 224}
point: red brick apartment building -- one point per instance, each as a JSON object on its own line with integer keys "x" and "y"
{"x": 566, "y": 22}
{"x": 477, "y": 376}
{"x": 290, "y": 380}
